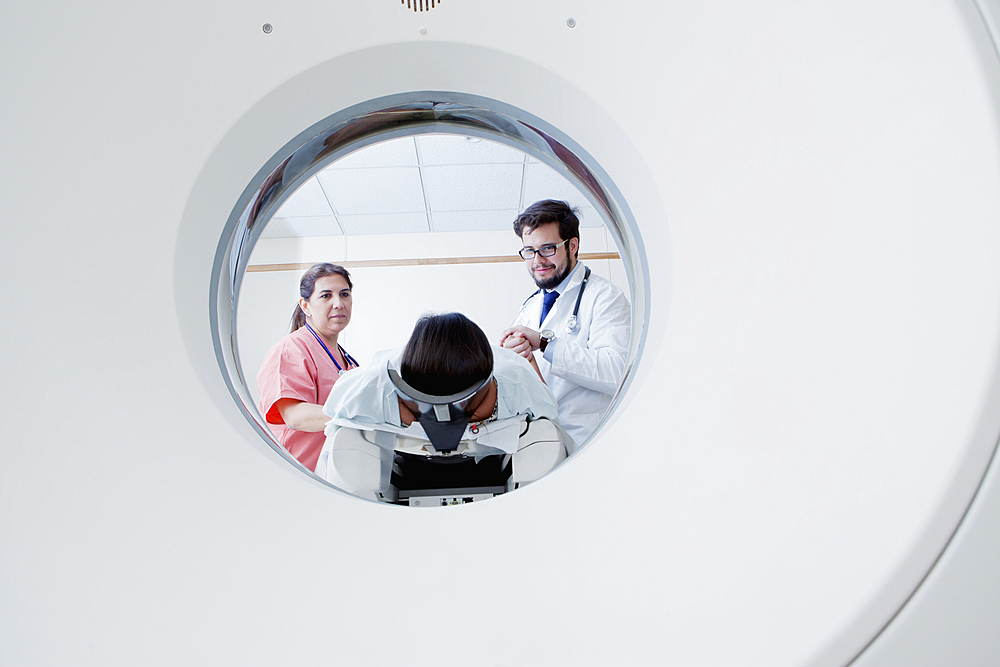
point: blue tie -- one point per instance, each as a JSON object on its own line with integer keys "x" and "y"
{"x": 550, "y": 298}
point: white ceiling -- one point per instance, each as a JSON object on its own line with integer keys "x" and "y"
{"x": 424, "y": 183}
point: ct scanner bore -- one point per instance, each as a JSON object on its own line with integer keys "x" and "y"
{"x": 905, "y": 576}
{"x": 362, "y": 125}
{"x": 814, "y": 418}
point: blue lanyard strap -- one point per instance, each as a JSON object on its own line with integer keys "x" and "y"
{"x": 347, "y": 358}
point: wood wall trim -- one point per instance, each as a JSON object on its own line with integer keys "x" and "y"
{"x": 420, "y": 261}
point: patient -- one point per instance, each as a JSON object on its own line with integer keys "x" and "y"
{"x": 397, "y": 423}
{"x": 445, "y": 355}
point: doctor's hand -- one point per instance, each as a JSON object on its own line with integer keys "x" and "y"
{"x": 521, "y": 340}
{"x": 517, "y": 343}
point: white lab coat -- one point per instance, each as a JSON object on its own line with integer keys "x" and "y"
{"x": 584, "y": 369}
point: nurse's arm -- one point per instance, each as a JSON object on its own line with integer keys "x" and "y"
{"x": 301, "y": 416}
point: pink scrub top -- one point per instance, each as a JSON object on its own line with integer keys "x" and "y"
{"x": 298, "y": 368}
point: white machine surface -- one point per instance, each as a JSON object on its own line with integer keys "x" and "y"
{"x": 800, "y": 471}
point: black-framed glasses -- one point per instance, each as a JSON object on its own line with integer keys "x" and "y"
{"x": 544, "y": 251}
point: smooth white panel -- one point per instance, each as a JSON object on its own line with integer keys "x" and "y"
{"x": 817, "y": 190}
{"x": 951, "y": 620}
{"x": 385, "y": 223}
{"x": 298, "y": 250}
{"x": 450, "y": 244}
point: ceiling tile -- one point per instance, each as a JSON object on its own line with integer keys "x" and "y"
{"x": 443, "y": 149}
{"x": 364, "y": 191}
{"x": 543, "y": 182}
{"x": 473, "y": 187}
{"x": 467, "y": 221}
{"x": 385, "y": 223}
{"x": 323, "y": 225}
{"x": 392, "y": 153}
{"x": 307, "y": 200}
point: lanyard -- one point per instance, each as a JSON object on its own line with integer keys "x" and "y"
{"x": 347, "y": 358}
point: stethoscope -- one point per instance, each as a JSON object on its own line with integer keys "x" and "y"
{"x": 348, "y": 358}
{"x": 573, "y": 323}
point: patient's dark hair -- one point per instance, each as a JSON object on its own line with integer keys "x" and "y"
{"x": 446, "y": 354}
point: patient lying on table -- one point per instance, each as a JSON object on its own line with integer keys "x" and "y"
{"x": 447, "y": 392}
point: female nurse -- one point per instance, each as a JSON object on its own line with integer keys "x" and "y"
{"x": 298, "y": 373}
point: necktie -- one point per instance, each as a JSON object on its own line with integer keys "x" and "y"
{"x": 550, "y": 298}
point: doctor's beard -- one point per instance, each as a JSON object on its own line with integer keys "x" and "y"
{"x": 553, "y": 280}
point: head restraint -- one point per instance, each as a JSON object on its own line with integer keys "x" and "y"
{"x": 443, "y": 418}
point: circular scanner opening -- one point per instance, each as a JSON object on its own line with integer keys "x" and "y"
{"x": 415, "y": 195}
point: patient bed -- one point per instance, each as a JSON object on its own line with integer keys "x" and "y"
{"x": 401, "y": 466}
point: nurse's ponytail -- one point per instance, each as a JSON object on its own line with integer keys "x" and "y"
{"x": 308, "y": 284}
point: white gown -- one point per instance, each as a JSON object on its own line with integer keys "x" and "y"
{"x": 365, "y": 398}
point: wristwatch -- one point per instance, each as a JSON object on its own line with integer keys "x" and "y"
{"x": 544, "y": 337}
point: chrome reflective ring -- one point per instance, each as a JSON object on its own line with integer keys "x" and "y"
{"x": 395, "y": 116}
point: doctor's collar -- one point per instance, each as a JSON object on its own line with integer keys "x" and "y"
{"x": 568, "y": 280}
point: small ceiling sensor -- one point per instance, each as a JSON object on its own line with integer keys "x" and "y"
{"x": 267, "y": 28}
{"x": 571, "y": 22}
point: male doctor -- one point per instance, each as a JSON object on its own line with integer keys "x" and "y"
{"x": 579, "y": 322}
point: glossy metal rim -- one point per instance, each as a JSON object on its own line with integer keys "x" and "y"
{"x": 392, "y": 117}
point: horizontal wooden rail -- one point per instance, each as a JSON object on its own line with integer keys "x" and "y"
{"x": 420, "y": 261}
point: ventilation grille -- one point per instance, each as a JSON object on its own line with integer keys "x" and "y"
{"x": 420, "y": 5}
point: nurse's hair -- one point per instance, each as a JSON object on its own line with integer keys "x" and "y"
{"x": 307, "y": 285}
{"x": 446, "y": 354}
{"x": 546, "y": 211}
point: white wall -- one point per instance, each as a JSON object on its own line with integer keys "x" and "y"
{"x": 389, "y": 300}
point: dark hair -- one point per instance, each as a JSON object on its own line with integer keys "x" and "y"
{"x": 446, "y": 354}
{"x": 308, "y": 284}
{"x": 548, "y": 211}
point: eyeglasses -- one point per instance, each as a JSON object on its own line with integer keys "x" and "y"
{"x": 544, "y": 251}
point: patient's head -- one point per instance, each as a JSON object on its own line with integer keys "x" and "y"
{"x": 446, "y": 354}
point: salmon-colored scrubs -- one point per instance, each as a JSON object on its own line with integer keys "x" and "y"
{"x": 298, "y": 368}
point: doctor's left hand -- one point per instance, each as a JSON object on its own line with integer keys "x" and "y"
{"x": 520, "y": 339}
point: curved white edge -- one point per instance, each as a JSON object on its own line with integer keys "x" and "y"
{"x": 952, "y": 617}
{"x": 82, "y": 558}
{"x": 268, "y": 132}
{"x": 395, "y": 116}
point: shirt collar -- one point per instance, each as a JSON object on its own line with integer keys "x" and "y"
{"x": 568, "y": 280}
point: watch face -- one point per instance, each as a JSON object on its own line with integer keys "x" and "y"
{"x": 547, "y": 334}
